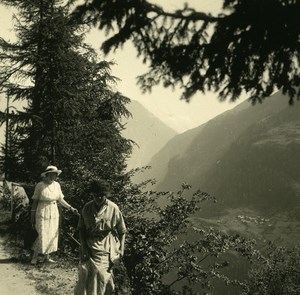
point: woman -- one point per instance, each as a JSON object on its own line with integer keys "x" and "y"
{"x": 45, "y": 215}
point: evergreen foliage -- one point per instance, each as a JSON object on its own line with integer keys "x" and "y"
{"x": 71, "y": 116}
{"x": 251, "y": 46}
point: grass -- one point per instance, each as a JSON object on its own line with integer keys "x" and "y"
{"x": 53, "y": 279}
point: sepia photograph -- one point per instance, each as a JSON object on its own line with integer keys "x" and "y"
{"x": 149, "y": 147}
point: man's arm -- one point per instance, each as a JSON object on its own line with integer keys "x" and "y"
{"x": 121, "y": 231}
{"x": 122, "y": 244}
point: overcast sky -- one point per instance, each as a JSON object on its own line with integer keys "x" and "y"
{"x": 163, "y": 103}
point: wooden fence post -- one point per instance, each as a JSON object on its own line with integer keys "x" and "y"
{"x": 12, "y": 200}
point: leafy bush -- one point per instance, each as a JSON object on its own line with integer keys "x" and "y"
{"x": 275, "y": 272}
{"x": 165, "y": 253}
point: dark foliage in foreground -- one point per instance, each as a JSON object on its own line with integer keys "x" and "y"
{"x": 251, "y": 46}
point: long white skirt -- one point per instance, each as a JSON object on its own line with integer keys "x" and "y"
{"x": 47, "y": 226}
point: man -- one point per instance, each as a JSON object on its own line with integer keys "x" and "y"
{"x": 102, "y": 236}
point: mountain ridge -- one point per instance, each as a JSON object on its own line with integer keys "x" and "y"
{"x": 202, "y": 156}
{"x": 147, "y": 131}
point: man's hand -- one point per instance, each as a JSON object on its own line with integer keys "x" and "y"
{"x": 121, "y": 252}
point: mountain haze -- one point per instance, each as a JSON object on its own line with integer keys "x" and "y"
{"x": 148, "y": 132}
{"x": 175, "y": 147}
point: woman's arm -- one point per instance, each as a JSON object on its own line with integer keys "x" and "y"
{"x": 65, "y": 204}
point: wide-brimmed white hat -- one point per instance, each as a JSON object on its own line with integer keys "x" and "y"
{"x": 51, "y": 169}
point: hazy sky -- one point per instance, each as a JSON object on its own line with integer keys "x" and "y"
{"x": 163, "y": 103}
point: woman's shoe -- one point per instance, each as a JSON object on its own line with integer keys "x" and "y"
{"x": 48, "y": 259}
{"x": 33, "y": 261}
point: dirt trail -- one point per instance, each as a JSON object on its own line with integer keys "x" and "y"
{"x": 13, "y": 280}
{"x": 18, "y": 277}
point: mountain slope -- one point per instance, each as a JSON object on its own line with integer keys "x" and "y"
{"x": 237, "y": 156}
{"x": 148, "y": 132}
{"x": 261, "y": 168}
{"x": 175, "y": 147}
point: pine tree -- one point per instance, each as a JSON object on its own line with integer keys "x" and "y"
{"x": 71, "y": 118}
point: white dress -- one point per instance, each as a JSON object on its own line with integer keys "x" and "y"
{"x": 47, "y": 216}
